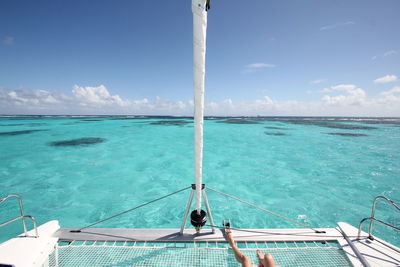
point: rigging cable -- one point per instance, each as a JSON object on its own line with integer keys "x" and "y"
{"x": 265, "y": 210}
{"x": 305, "y": 234}
{"x": 131, "y": 209}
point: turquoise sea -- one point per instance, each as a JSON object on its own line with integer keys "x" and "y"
{"x": 317, "y": 171}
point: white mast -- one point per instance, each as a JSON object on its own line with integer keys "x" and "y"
{"x": 199, "y": 9}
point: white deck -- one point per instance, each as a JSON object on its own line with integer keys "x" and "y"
{"x": 377, "y": 252}
{"x": 30, "y": 251}
{"x": 23, "y": 251}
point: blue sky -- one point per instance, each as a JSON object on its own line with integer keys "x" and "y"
{"x": 263, "y": 57}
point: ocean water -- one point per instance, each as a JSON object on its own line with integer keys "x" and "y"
{"x": 316, "y": 171}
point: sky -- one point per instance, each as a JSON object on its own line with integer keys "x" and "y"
{"x": 267, "y": 58}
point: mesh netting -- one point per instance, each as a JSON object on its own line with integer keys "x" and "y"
{"x": 185, "y": 254}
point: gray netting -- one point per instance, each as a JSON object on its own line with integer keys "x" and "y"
{"x": 190, "y": 255}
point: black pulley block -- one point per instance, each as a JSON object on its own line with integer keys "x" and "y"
{"x": 198, "y": 220}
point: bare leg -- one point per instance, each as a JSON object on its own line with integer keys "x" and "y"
{"x": 240, "y": 257}
{"x": 268, "y": 260}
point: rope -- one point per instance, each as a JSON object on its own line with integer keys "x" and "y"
{"x": 131, "y": 209}
{"x": 265, "y": 210}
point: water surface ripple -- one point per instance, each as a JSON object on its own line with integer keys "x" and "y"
{"x": 322, "y": 171}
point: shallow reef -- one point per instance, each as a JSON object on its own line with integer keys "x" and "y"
{"x": 238, "y": 121}
{"x": 20, "y": 132}
{"x": 213, "y": 118}
{"x": 147, "y": 117}
{"x": 14, "y": 124}
{"x": 348, "y": 134}
{"x": 22, "y": 118}
{"x": 86, "y": 141}
{"x": 275, "y": 133}
{"x": 33, "y": 124}
{"x": 128, "y": 118}
{"x": 170, "y": 122}
{"x": 276, "y": 128}
{"x": 331, "y": 124}
{"x": 395, "y": 121}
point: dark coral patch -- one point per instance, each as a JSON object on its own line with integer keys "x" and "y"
{"x": 238, "y": 121}
{"x": 170, "y": 122}
{"x": 132, "y": 118}
{"x": 348, "y": 134}
{"x": 147, "y": 117}
{"x": 275, "y": 133}
{"x": 331, "y": 124}
{"x": 23, "y": 118}
{"x": 14, "y": 124}
{"x": 276, "y": 128}
{"x": 213, "y": 118}
{"x": 20, "y": 132}
{"x": 79, "y": 142}
{"x": 348, "y": 127}
{"x": 34, "y": 124}
{"x": 336, "y": 123}
{"x": 393, "y": 121}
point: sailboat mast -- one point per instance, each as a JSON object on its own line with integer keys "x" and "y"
{"x": 199, "y": 9}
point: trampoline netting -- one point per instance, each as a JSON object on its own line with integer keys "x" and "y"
{"x": 193, "y": 254}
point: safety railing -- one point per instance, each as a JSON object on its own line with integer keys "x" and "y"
{"x": 22, "y": 217}
{"x": 372, "y": 219}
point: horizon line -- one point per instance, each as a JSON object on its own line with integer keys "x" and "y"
{"x": 184, "y": 116}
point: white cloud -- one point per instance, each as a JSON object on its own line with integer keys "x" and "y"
{"x": 333, "y": 26}
{"x": 340, "y": 87}
{"x": 344, "y": 87}
{"x": 268, "y": 101}
{"x": 95, "y": 96}
{"x": 393, "y": 91}
{"x": 390, "y": 100}
{"x": 386, "y": 79}
{"x": 317, "y": 81}
{"x": 250, "y": 68}
{"x": 8, "y": 40}
{"x": 228, "y": 102}
{"x": 352, "y": 96}
{"x": 260, "y": 65}
{"x": 325, "y": 90}
{"x": 390, "y": 53}
{"x": 338, "y": 100}
{"x": 38, "y": 98}
{"x": 386, "y": 54}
